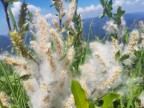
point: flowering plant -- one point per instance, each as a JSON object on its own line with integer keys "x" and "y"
{"x": 60, "y": 70}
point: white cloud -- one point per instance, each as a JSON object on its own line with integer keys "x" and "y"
{"x": 49, "y": 16}
{"x": 16, "y": 7}
{"x": 130, "y": 5}
{"x": 33, "y": 8}
{"x": 127, "y": 5}
{"x": 90, "y": 11}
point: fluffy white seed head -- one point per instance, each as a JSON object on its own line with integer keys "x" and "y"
{"x": 71, "y": 12}
{"x": 101, "y": 70}
{"x": 132, "y": 45}
{"x": 110, "y": 27}
{"x": 4, "y": 100}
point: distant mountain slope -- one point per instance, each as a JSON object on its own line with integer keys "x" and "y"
{"x": 132, "y": 21}
{"x": 5, "y": 43}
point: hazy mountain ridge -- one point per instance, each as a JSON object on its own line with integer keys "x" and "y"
{"x": 132, "y": 21}
{"x": 5, "y": 43}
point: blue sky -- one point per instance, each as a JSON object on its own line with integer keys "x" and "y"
{"x": 87, "y": 9}
{"x": 44, "y": 5}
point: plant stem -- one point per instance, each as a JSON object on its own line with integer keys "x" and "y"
{"x": 60, "y": 23}
{"x": 5, "y": 5}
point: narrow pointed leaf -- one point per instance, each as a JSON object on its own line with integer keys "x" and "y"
{"x": 79, "y": 95}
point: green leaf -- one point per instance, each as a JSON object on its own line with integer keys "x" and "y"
{"x": 63, "y": 15}
{"x": 110, "y": 2}
{"x": 117, "y": 55}
{"x": 109, "y": 99}
{"x": 56, "y": 15}
{"x": 25, "y": 26}
{"x": 110, "y": 6}
{"x": 139, "y": 68}
{"x": 11, "y": 1}
{"x": 25, "y": 77}
{"x": 12, "y": 18}
{"x": 102, "y": 15}
{"x": 124, "y": 57}
{"x": 91, "y": 105}
{"x": 120, "y": 12}
{"x": 14, "y": 106}
{"x": 103, "y": 2}
{"x": 126, "y": 36}
{"x": 11, "y": 78}
{"x": 79, "y": 95}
